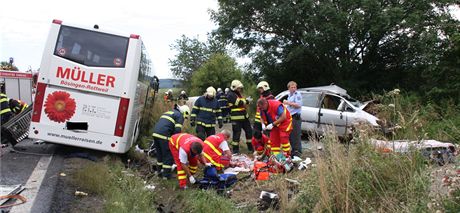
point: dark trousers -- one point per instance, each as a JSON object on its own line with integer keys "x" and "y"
{"x": 295, "y": 136}
{"x": 204, "y": 132}
{"x": 236, "y": 128}
{"x": 225, "y": 115}
{"x": 165, "y": 159}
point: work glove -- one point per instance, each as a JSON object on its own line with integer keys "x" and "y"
{"x": 249, "y": 99}
{"x": 220, "y": 124}
{"x": 269, "y": 127}
{"x": 192, "y": 180}
{"x": 208, "y": 164}
{"x": 192, "y": 122}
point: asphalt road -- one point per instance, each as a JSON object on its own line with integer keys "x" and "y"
{"x": 36, "y": 167}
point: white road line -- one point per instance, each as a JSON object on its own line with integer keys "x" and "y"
{"x": 33, "y": 185}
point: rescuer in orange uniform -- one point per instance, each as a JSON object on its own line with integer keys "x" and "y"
{"x": 261, "y": 144}
{"x": 186, "y": 150}
{"x": 276, "y": 118}
{"x": 216, "y": 150}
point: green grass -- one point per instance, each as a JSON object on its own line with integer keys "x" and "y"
{"x": 452, "y": 204}
{"x": 206, "y": 201}
{"x": 121, "y": 192}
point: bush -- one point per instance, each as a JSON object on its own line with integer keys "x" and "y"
{"x": 417, "y": 119}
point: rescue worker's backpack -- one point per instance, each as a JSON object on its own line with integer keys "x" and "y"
{"x": 212, "y": 180}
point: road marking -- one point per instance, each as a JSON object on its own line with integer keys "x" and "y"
{"x": 33, "y": 185}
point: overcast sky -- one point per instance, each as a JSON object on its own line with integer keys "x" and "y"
{"x": 24, "y": 25}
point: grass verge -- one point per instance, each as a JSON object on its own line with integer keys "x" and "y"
{"x": 121, "y": 189}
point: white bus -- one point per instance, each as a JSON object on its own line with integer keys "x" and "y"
{"x": 88, "y": 92}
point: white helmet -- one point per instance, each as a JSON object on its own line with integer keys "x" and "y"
{"x": 236, "y": 84}
{"x": 182, "y": 92}
{"x": 263, "y": 85}
{"x": 211, "y": 92}
{"x": 169, "y": 90}
{"x": 185, "y": 110}
{"x": 227, "y": 90}
{"x": 219, "y": 89}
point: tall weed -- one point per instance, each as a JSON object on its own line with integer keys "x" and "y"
{"x": 417, "y": 119}
{"x": 359, "y": 178}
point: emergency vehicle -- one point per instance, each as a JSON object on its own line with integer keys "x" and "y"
{"x": 88, "y": 92}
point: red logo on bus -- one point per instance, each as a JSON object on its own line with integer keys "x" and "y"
{"x": 77, "y": 74}
{"x": 59, "y": 106}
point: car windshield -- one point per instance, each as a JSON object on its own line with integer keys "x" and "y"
{"x": 355, "y": 102}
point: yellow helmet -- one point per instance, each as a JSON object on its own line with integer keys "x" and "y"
{"x": 236, "y": 84}
{"x": 211, "y": 92}
{"x": 264, "y": 85}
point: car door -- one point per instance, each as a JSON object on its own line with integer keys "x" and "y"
{"x": 309, "y": 114}
{"x": 330, "y": 116}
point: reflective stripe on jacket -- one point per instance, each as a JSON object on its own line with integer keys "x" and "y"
{"x": 237, "y": 104}
{"x": 17, "y": 106}
{"x": 211, "y": 150}
{"x": 222, "y": 99}
{"x": 169, "y": 123}
{"x": 267, "y": 95}
{"x": 4, "y": 104}
{"x": 272, "y": 110}
{"x": 205, "y": 111}
{"x": 184, "y": 141}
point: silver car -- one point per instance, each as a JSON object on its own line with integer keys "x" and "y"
{"x": 330, "y": 108}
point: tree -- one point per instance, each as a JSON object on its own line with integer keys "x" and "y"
{"x": 361, "y": 45}
{"x": 443, "y": 82}
{"x": 218, "y": 71}
{"x": 7, "y": 66}
{"x": 191, "y": 54}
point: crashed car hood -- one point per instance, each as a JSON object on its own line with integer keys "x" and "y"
{"x": 368, "y": 107}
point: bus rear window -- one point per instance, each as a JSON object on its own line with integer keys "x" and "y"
{"x": 91, "y": 48}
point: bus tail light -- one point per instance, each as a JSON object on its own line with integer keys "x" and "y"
{"x": 38, "y": 104}
{"x": 55, "y": 21}
{"x": 121, "y": 118}
{"x": 134, "y": 36}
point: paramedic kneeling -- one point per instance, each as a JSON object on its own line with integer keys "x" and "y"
{"x": 216, "y": 150}
{"x": 186, "y": 150}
